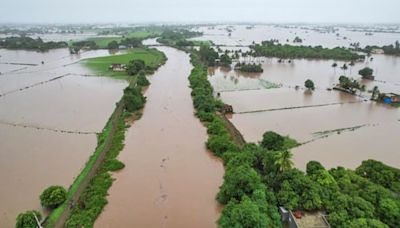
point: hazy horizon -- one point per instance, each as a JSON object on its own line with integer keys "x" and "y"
{"x": 201, "y": 11}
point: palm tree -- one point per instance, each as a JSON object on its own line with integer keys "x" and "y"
{"x": 284, "y": 161}
{"x": 334, "y": 65}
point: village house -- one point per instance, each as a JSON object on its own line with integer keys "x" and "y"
{"x": 117, "y": 67}
{"x": 300, "y": 219}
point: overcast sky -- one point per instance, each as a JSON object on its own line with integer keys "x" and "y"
{"x": 100, "y": 11}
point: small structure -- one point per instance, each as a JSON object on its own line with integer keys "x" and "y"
{"x": 117, "y": 67}
{"x": 390, "y": 98}
{"x": 122, "y": 47}
{"x": 300, "y": 219}
{"x": 227, "y": 109}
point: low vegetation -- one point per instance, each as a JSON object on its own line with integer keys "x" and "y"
{"x": 387, "y": 49}
{"x": 350, "y": 85}
{"x": 249, "y": 67}
{"x": 272, "y": 49}
{"x": 151, "y": 57}
{"x": 28, "y": 43}
{"x": 28, "y": 220}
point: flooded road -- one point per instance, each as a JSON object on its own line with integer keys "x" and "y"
{"x": 47, "y": 131}
{"x": 170, "y": 179}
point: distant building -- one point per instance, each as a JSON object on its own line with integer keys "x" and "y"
{"x": 299, "y": 219}
{"x": 117, "y": 67}
{"x": 122, "y": 47}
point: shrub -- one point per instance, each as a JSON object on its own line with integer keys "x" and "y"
{"x": 272, "y": 141}
{"x": 53, "y": 196}
{"x": 27, "y": 219}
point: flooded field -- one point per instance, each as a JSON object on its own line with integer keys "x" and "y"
{"x": 293, "y": 74}
{"x": 337, "y": 128}
{"x": 170, "y": 179}
{"x": 243, "y": 35}
{"x": 49, "y": 117}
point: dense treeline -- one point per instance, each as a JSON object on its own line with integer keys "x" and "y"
{"x": 271, "y": 49}
{"x": 249, "y": 67}
{"x": 28, "y": 43}
{"x": 178, "y": 37}
{"x": 85, "y": 44}
{"x": 387, "y": 49}
{"x": 125, "y": 43}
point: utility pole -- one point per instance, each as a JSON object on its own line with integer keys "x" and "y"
{"x": 37, "y": 221}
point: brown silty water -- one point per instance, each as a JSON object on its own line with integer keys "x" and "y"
{"x": 170, "y": 179}
{"x": 34, "y": 153}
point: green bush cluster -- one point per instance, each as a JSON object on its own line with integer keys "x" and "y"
{"x": 28, "y": 43}
{"x": 27, "y": 219}
{"x": 93, "y": 199}
{"x": 53, "y": 196}
{"x": 249, "y": 67}
{"x": 271, "y": 49}
{"x": 133, "y": 98}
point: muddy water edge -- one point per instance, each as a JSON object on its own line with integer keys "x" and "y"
{"x": 170, "y": 179}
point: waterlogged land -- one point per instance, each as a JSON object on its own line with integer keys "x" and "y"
{"x": 48, "y": 127}
{"x": 170, "y": 179}
{"x": 337, "y": 128}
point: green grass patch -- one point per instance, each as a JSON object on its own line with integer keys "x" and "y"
{"x": 100, "y": 65}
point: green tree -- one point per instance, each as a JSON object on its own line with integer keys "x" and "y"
{"x": 225, "y": 60}
{"x": 365, "y": 222}
{"x": 53, "y": 196}
{"x": 245, "y": 214}
{"x": 135, "y": 66}
{"x": 366, "y": 72}
{"x": 313, "y": 167}
{"x": 287, "y": 196}
{"x": 273, "y": 141}
{"x": 113, "y": 45}
{"x": 27, "y": 219}
{"x": 284, "y": 161}
{"x": 309, "y": 84}
{"x": 238, "y": 182}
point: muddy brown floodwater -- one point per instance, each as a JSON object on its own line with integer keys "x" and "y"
{"x": 34, "y": 153}
{"x": 170, "y": 179}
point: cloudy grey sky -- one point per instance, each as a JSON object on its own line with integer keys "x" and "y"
{"x": 92, "y": 11}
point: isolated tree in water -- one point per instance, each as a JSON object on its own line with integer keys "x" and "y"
{"x": 309, "y": 84}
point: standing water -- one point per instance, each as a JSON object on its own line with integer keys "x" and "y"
{"x": 170, "y": 179}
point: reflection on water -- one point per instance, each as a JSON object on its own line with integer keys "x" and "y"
{"x": 31, "y": 157}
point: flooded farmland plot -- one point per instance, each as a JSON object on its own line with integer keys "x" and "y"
{"x": 336, "y": 128}
{"x": 48, "y": 123}
{"x": 317, "y": 118}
